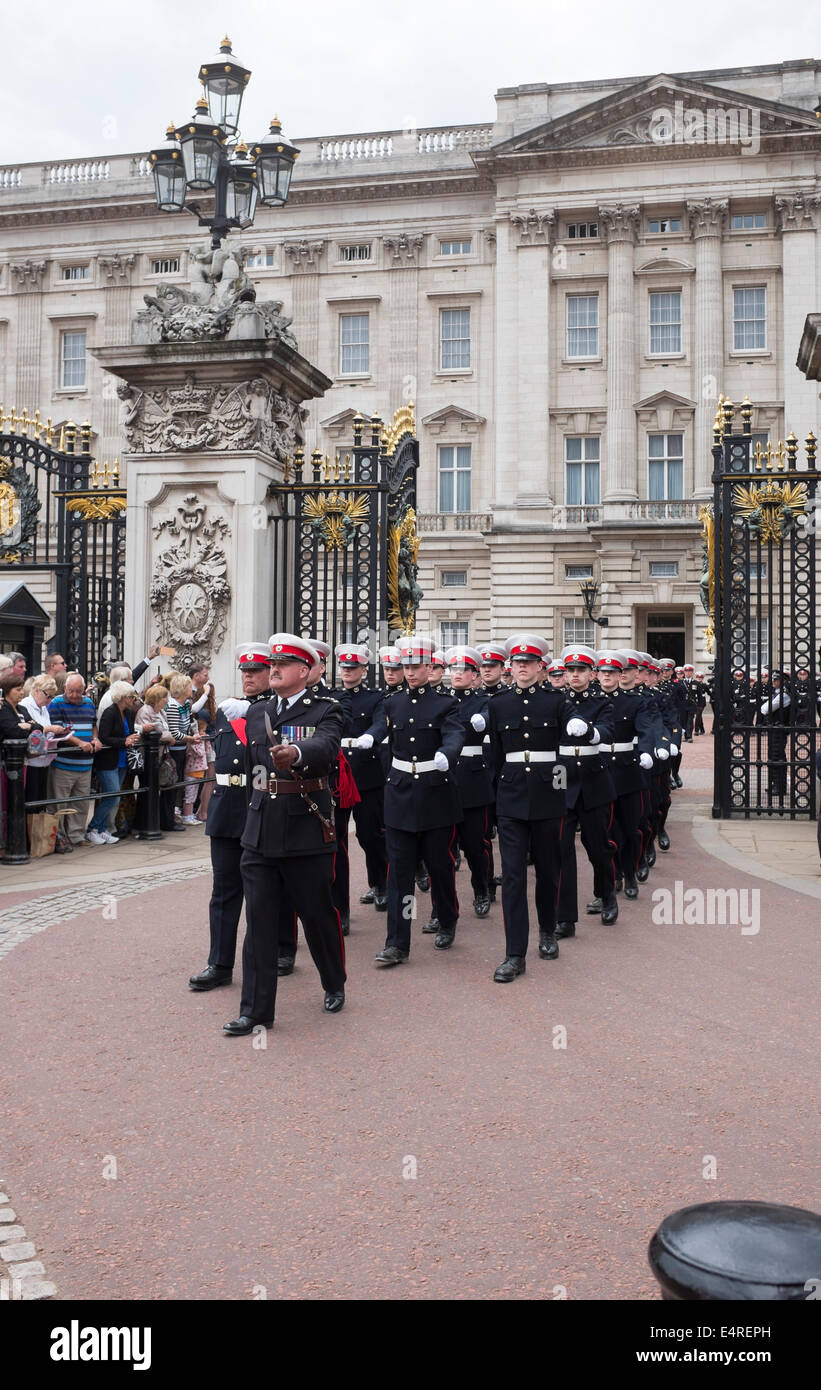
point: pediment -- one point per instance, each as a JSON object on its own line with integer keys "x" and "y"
{"x": 699, "y": 112}
{"x": 340, "y": 426}
{"x": 452, "y": 417}
{"x": 665, "y": 398}
{"x": 660, "y": 264}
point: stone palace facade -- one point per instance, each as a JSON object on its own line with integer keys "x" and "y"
{"x": 562, "y": 294}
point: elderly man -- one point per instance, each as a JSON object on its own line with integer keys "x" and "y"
{"x": 123, "y": 672}
{"x": 70, "y": 773}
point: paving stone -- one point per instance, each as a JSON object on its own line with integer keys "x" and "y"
{"x": 22, "y": 1250}
{"x": 7, "y": 1216}
{"x": 11, "y": 1233}
{"x": 4, "y": 1197}
{"x": 27, "y": 1269}
{"x": 30, "y": 1289}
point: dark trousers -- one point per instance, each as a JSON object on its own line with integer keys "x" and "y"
{"x": 689, "y": 720}
{"x": 567, "y": 904}
{"x": 777, "y": 761}
{"x": 405, "y": 848}
{"x": 699, "y": 724}
{"x": 225, "y": 906}
{"x": 596, "y": 827}
{"x": 518, "y": 839}
{"x": 341, "y": 882}
{"x": 627, "y": 826}
{"x": 368, "y": 816}
{"x": 473, "y": 835}
{"x": 271, "y": 885}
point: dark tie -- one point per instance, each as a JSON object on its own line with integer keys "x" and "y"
{"x": 283, "y": 707}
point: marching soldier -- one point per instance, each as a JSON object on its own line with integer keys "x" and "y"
{"x": 669, "y": 748}
{"x": 437, "y": 670}
{"x": 422, "y": 808}
{"x": 365, "y": 729}
{"x": 701, "y": 703}
{"x": 690, "y": 693}
{"x": 316, "y": 677}
{"x": 525, "y": 726}
{"x": 636, "y": 734}
{"x": 225, "y": 820}
{"x": 556, "y": 674}
{"x": 292, "y": 742}
{"x": 590, "y": 792}
{"x": 493, "y": 668}
{"x": 473, "y": 779}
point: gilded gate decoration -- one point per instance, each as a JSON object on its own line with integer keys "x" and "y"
{"x": 758, "y": 586}
{"x": 64, "y": 515}
{"x": 345, "y": 543}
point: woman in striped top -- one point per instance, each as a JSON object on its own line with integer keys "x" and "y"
{"x": 178, "y": 715}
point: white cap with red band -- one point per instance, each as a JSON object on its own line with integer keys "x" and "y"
{"x": 555, "y": 667}
{"x": 287, "y": 646}
{"x": 579, "y": 656}
{"x": 416, "y": 651}
{"x": 525, "y": 646}
{"x": 322, "y": 647}
{"x": 610, "y": 661}
{"x": 352, "y": 654}
{"x": 493, "y": 651}
{"x": 463, "y": 656}
{"x": 254, "y": 653}
{"x": 390, "y": 656}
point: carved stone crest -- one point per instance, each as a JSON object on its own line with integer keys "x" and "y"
{"x": 190, "y": 592}
{"x": 247, "y": 415}
{"x": 18, "y": 513}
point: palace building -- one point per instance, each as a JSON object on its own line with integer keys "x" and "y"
{"x": 563, "y": 295}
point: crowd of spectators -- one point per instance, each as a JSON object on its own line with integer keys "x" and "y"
{"x": 85, "y": 741}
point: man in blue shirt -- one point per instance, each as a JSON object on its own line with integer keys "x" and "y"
{"x": 70, "y": 773}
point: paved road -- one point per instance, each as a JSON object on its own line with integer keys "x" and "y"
{"x": 538, "y": 1167}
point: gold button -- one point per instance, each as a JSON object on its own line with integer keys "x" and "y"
{"x": 236, "y": 760}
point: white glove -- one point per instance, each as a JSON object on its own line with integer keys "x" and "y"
{"x": 364, "y": 741}
{"x": 577, "y": 727}
{"x": 441, "y": 761}
{"x": 646, "y": 761}
{"x": 673, "y": 750}
{"x": 234, "y": 709}
{"x": 662, "y": 754}
{"x": 478, "y": 722}
{"x": 596, "y": 737}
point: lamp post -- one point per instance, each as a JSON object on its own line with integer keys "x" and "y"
{"x": 589, "y": 591}
{"x": 206, "y": 153}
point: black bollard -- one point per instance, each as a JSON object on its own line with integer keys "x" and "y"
{"x": 738, "y": 1251}
{"x": 151, "y": 796}
{"x": 14, "y": 751}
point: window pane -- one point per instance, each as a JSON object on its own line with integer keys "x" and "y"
{"x": 750, "y": 316}
{"x": 591, "y": 484}
{"x": 579, "y": 631}
{"x": 675, "y": 445}
{"x": 675, "y": 479}
{"x": 655, "y": 445}
{"x": 354, "y": 340}
{"x": 463, "y": 456}
{"x": 665, "y": 322}
{"x": 656, "y": 480}
{"x": 455, "y": 338}
{"x": 454, "y": 635}
{"x": 445, "y": 492}
{"x": 574, "y": 484}
{"x": 582, "y": 325}
{"x": 591, "y": 447}
{"x": 74, "y": 359}
{"x": 463, "y": 490}
{"x": 446, "y": 456}
{"x": 573, "y": 448}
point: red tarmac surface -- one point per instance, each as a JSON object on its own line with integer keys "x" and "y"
{"x": 537, "y": 1166}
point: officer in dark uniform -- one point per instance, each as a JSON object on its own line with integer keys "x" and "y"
{"x": 701, "y": 702}
{"x": 473, "y": 778}
{"x": 316, "y": 677}
{"x": 289, "y": 840}
{"x": 225, "y": 820}
{"x": 590, "y": 793}
{"x": 525, "y": 726}
{"x": 688, "y": 684}
{"x": 776, "y": 715}
{"x": 425, "y": 738}
{"x": 365, "y": 729}
{"x": 493, "y": 668}
{"x": 636, "y": 735}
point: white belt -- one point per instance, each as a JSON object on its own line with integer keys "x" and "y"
{"x": 349, "y": 743}
{"x": 530, "y": 755}
{"x": 415, "y": 767}
{"x": 230, "y": 779}
{"x": 618, "y": 747}
{"x": 587, "y": 750}
{"x": 474, "y": 751}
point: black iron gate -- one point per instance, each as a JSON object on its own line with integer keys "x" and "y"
{"x": 761, "y": 547}
{"x": 63, "y": 516}
{"x": 344, "y": 536}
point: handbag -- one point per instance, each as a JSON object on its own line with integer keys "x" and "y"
{"x": 42, "y": 828}
{"x": 135, "y": 758}
{"x": 168, "y": 772}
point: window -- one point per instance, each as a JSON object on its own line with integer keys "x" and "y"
{"x": 582, "y": 325}
{"x": 454, "y": 478}
{"x": 454, "y": 635}
{"x": 665, "y": 322}
{"x": 455, "y": 248}
{"x": 166, "y": 265}
{"x": 454, "y": 579}
{"x": 354, "y": 344}
{"x": 664, "y": 569}
{"x": 259, "y": 257}
{"x": 758, "y": 642}
{"x": 360, "y": 252}
{"x": 665, "y": 467}
{"x": 750, "y": 319}
{"x": 579, "y": 632}
{"x": 664, "y": 224}
{"x": 582, "y": 455}
{"x": 757, "y": 571}
{"x": 75, "y": 272}
{"x": 578, "y": 571}
{"x": 72, "y": 360}
{"x": 582, "y": 231}
{"x": 455, "y": 339}
{"x": 747, "y": 221}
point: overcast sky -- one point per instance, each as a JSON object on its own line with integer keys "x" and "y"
{"x": 93, "y": 78}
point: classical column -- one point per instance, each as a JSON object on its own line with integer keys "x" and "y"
{"x": 620, "y": 223}
{"x": 708, "y": 219}
{"x": 402, "y": 255}
{"x": 115, "y": 272}
{"x": 29, "y": 277}
{"x": 532, "y": 362}
{"x": 506, "y": 339}
{"x": 798, "y": 217}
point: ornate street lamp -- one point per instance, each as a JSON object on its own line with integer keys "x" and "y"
{"x": 589, "y": 591}
{"x": 205, "y": 153}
